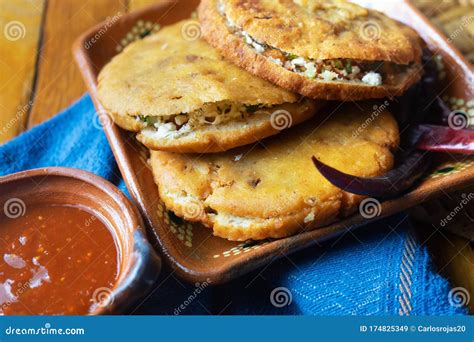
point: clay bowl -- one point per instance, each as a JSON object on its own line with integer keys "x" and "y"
{"x": 139, "y": 266}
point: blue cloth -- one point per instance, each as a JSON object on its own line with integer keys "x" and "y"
{"x": 381, "y": 269}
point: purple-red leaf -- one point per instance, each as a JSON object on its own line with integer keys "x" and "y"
{"x": 445, "y": 139}
{"x": 390, "y": 184}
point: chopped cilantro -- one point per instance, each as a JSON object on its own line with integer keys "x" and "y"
{"x": 147, "y": 119}
{"x": 349, "y": 66}
{"x": 338, "y": 64}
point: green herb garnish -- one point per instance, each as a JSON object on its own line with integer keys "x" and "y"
{"x": 147, "y": 119}
{"x": 349, "y": 67}
{"x": 338, "y": 64}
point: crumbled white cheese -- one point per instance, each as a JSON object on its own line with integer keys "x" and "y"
{"x": 248, "y": 39}
{"x": 328, "y": 75}
{"x": 372, "y": 78}
{"x": 221, "y": 8}
{"x": 310, "y": 70}
{"x": 301, "y": 65}
{"x": 231, "y": 24}
{"x": 309, "y": 218}
{"x": 211, "y": 114}
{"x": 165, "y": 129}
{"x": 289, "y": 66}
{"x": 275, "y": 60}
{"x": 300, "y": 61}
{"x": 258, "y": 48}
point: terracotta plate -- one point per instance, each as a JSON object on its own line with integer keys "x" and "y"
{"x": 191, "y": 249}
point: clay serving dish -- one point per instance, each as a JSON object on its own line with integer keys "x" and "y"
{"x": 191, "y": 250}
{"x": 138, "y": 263}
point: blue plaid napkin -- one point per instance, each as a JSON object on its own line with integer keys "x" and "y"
{"x": 381, "y": 269}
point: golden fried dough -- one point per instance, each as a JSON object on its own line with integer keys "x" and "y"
{"x": 179, "y": 94}
{"x": 326, "y": 49}
{"x": 272, "y": 189}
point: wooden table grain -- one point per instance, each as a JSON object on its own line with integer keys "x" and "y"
{"x": 38, "y": 78}
{"x": 37, "y": 72}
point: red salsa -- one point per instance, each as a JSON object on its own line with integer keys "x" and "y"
{"x": 55, "y": 260}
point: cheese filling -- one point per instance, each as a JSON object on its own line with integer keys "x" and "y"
{"x": 211, "y": 114}
{"x": 337, "y": 70}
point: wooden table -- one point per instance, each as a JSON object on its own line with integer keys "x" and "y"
{"x": 37, "y": 72}
{"x": 38, "y": 78}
